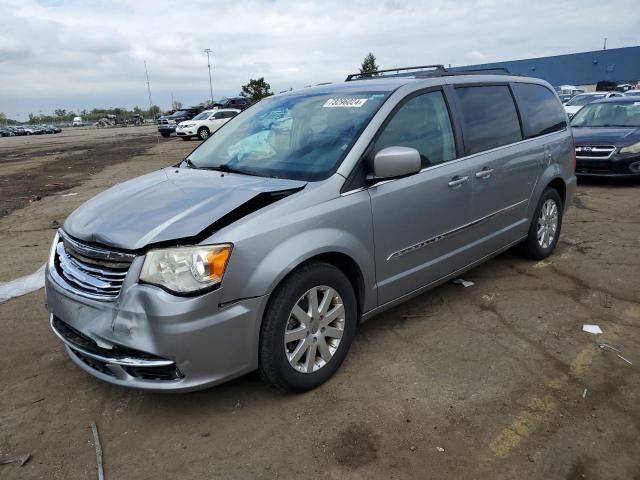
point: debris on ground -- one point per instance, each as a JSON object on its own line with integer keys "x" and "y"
{"x": 20, "y": 460}
{"x": 584, "y": 394}
{"x": 593, "y": 329}
{"x": 440, "y": 449}
{"x": 605, "y": 301}
{"x": 54, "y": 224}
{"x": 463, "y": 282}
{"x": 606, "y": 346}
{"x": 22, "y": 286}
{"x": 542, "y": 264}
{"x": 624, "y": 359}
{"x": 96, "y": 443}
{"x": 618, "y": 352}
{"x": 69, "y": 194}
{"x": 488, "y": 298}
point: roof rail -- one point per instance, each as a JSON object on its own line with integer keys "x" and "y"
{"x": 397, "y": 72}
{"x": 427, "y": 71}
{"x": 495, "y": 70}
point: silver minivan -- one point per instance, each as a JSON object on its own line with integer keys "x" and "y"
{"x": 304, "y": 215}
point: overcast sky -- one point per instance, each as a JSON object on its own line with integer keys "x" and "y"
{"x": 84, "y": 54}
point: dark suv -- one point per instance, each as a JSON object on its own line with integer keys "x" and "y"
{"x": 167, "y": 124}
{"x": 239, "y": 103}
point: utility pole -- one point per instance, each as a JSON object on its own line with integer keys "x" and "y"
{"x": 208, "y": 51}
{"x": 604, "y": 47}
{"x": 148, "y": 89}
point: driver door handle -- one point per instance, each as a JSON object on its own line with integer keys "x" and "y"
{"x": 456, "y": 181}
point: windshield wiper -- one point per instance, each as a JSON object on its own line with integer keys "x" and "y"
{"x": 223, "y": 167}
{"x": 189, "y": 163}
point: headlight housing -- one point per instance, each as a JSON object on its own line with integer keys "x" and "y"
{"x": 635, "y": 148}
{"x": 188, "y": 125}
{"x": 185, "y": 270}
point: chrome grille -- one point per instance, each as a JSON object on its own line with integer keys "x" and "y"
{"x": 89, "y": 271}
{"x": 595, "y": 151}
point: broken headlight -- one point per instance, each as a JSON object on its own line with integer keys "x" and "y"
{"x": 186, "y": 269}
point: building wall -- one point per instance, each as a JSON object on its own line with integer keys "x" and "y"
{"x": 621, "y": 65}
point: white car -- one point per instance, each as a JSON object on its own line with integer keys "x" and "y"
{"x": 205, "y": 123}
{"x": 632, "y": 93}
{"x": 579, "y": 101}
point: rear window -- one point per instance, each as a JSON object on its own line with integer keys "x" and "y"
{"x": 541, "y": 112}
{"x": 490, "y": 117}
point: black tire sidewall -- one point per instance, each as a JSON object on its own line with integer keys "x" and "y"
{"x": 274, "y": 365}
{"x": 533, "y": 248}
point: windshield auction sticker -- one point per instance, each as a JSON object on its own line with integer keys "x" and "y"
{"x": 344, "y": 102}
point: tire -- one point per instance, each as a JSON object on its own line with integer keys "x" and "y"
{"x": 203, "y": 133}
{"x": 538, "y": 248}
{"x": 186, "y": 138}
{"x": 274, "y": 365}
{"x": 165, "y": 134}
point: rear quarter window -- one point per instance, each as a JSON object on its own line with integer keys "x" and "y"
{"x": 540, "y": 110}
{"x": 490, "y": 117}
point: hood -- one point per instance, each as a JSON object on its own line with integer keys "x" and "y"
{"x": 171, "y": 204}
{"x": 618, "y": 136}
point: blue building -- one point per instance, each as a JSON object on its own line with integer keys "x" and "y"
{"x": 621, "y": 65}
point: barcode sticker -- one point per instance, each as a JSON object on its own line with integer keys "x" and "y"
{"x": 344, "y": 102}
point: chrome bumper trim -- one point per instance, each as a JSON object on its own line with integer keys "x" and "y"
{"x": 123, "y": 361}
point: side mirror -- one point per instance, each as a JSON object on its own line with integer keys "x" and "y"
{"x": 394, "y": 162}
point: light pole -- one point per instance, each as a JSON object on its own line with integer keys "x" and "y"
{"x": 208, "y": 51}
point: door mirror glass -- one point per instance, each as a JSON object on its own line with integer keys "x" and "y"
{"x": 394, "y": 162}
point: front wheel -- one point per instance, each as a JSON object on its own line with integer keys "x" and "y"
{"x": 165, "y": 134}
{"x": 307, "y": 328}
{"x": 203, "y": 133}
{"x": 544, "y": 230}
{"x": 186, "y": 138}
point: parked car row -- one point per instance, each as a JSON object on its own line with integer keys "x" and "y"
{"x": 17, "y": 131}
{"x": 582, "y": 99}
{"x": 167, "y": 124}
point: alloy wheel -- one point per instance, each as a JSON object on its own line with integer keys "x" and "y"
{"x": 547, "y": 223}
{"x": 314, "y": 329}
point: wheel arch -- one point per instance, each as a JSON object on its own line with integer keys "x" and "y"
{"x": 560, "y": 186}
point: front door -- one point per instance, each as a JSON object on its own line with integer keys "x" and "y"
{"x": 419, "y": 221}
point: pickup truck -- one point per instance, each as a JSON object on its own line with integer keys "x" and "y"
{"x": 167, "y": 124}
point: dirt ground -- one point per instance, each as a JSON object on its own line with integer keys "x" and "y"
{"x": 494, "y": 381}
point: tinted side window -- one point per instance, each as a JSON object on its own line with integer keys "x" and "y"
{"x": 490, "y": 117}
{"x": 422, "y": 123}
{"x": 541, "y": 112}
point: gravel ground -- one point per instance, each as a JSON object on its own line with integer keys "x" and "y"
{"x": 480, "y": 382}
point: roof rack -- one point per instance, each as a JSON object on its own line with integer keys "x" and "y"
{"x": 425, "y": 71}
{"x": 398, "y": 72}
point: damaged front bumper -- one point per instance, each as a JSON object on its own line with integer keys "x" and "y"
{"x": 149, "y": 339}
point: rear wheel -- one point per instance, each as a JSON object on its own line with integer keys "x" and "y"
{"x": 307, "y": 328}
{"x": 203, "y": 133}
{"x": 544, "y": 230}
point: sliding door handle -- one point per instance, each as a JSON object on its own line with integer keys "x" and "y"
{"x": 484, "y": 173}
